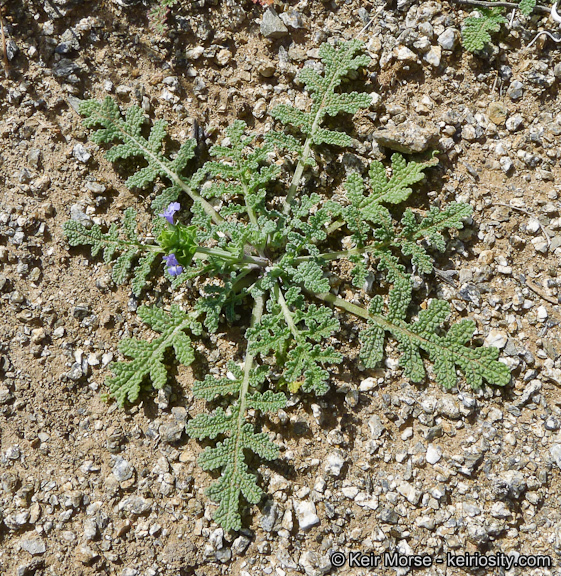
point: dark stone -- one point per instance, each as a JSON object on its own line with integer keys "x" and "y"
{"x": 65, "y": 67}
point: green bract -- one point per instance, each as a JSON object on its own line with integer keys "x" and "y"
{"x": 179, "y": 240}
{"x": 278, "y": 254}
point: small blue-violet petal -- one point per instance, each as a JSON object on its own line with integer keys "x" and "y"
{"x": 174, "y": 268}
{"x": 170, "y": 211}
{"x": 171, "y": 260}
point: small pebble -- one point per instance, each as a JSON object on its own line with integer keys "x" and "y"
{"x": 515, "y": 90}
{"x": 12, "y": 49}
{"x": 541, "y": 313}
{"x": 514, "y": 123}
{"x": 404, "y": 54}
{"x": 434, "y": 454}
{"x": 497, "y": 113}
{"x": 292, "y": 18}
{"x": 334, "y": 463}
{"x": 306, "y": 514}
{"x": 122, "y": 470}
{"x": 34, "y": 546}
{"x": 272, "y": 26}
{"x": 506, "y": 164}
{"x": 496, "y": 339}
{"x": 80, "y": 153}
{"x": 368, "y": 384}
{"x": 433, "y": 56}
{"x": 449, "y": 39}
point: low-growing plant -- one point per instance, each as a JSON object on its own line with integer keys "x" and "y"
{"x": 477, "y": 29}
{"x": 257, "y": 236}
{"x": 158, "y": 15}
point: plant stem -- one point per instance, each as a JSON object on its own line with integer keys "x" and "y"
{"x": 225, "y": 255}
{"x": 146, "y": 247}
{"x": 393, "y": 327}
{"x": 194, "y": 196}
{"x": 344, "y": 253}
{"x": 256, "y": 315}
{"x": 340, "y": 303}
{"x": 286, "y": 312}
{"x": 250, "y": 211}
{"x": 298, "y": 173}
{"x": 253, "y": 261}
{"x": 253, "y": 218}
{"x": 307, "y": 144}
{"x": 485, "y": 4}
{"x": 364, "y": 313}
{"x": 242, "y": 281}
{"x": 331, "y": 255}
{"x": 335, "y": 226}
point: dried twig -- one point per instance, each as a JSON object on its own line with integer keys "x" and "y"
{"x": 368, "y": 24}
{"x": 537, "y": 290}
{"x": 485, "y": 4}
{"x": 529, "y": 214}
{"x": 4, "y": 49}
{"x": 446, "y": 275}
{"x": 556, "y": 18}
{"x": 555, "y": 14}
{"x": 533, "y": 287}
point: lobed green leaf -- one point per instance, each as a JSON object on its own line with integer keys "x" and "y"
{"x": 476, "y": 31}
{"x": 148, "y": 357}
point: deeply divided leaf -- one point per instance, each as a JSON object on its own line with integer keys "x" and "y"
{"x": 228, "y": 455}
{"x": 476, "y": 33}
{"x": 148, "y": 362}
{"x": 125, "y": 252}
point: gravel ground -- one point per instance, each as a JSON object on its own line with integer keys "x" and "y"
{"x": 377, "y": 465}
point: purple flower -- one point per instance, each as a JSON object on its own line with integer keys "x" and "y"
{"x": 174, "y": 268}
{"x": 170, "y": 211}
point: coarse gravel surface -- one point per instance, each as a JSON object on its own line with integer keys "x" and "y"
{"x": 378, "y": 464}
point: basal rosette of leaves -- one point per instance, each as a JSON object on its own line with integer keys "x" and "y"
{"x": 274, "y": 255}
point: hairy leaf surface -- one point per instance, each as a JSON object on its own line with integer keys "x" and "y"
{"x": 148, "y": 357}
